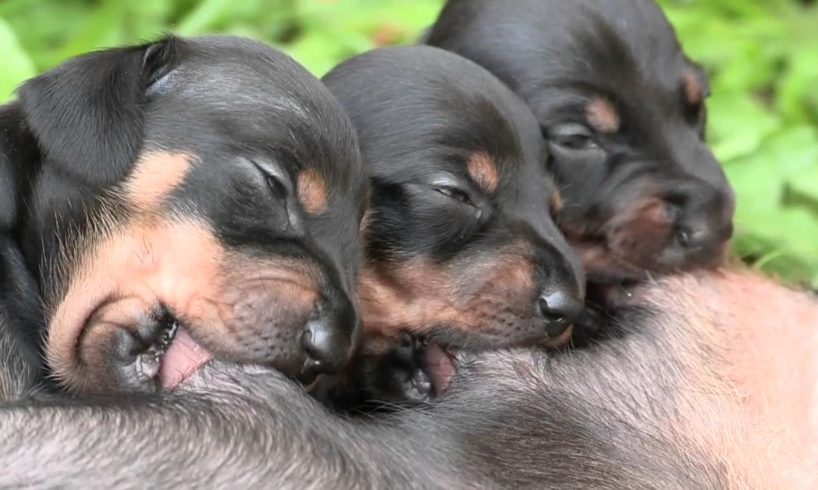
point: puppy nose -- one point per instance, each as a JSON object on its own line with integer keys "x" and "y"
{"x": 703, "y": 236}
{"x": 325, "y": 347}
{"x": 703, "y": 218}
{"x": 692, "y": 238}
{"x": 328, "y": 340}
{"x": 559, "y": 309}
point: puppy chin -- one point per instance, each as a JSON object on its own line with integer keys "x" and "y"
{"x": 130, "y": 345}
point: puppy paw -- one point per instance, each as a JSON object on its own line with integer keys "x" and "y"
{"x": 385, "y": 378}
{"x": 592, "y": 326}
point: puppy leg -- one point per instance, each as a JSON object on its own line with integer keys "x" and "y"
{"x": 383, "y": 375}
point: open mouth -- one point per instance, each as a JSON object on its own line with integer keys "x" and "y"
{"x": 440, "y": 366}
{"x": 172, "y": 357}
{"x": 432, "y": 368}
{"x": 436, "y": 364}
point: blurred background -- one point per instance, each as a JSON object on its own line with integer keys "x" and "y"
{"x": 762, "y": 56}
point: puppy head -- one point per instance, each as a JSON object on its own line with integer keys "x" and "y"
{"x": 623, "y": 113}
{"x": 196, "y": 198}
{"x": 461, "y": 249}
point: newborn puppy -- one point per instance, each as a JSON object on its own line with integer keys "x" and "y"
{"x": 622, "y": 110}
{"x": 182, "y": 200}
{"x": 461, "y": 252}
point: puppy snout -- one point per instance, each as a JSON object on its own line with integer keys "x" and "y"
{"x": 692, "y": 238}
{"x": 703, "y": 236}
{"x": 704, "y": 223}
{"x": 325, "y": 348}
{"x": 560, "y": 282}
{"x": 560, "y": 308}
{"x": 329, "y": 338}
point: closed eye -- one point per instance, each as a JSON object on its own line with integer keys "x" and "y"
{"x": 455, "y": 194}
{"x": 275, "y": 178}
{"x": 277, "y": 188}
{"x": 571, "y": 136}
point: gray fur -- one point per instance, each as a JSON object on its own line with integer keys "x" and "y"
{"x": 605, "y": 418}
{"x": 17, "y": 376}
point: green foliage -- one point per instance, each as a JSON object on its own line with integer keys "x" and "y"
{"x": 762, "y": 56}
{"x": 763, "y": 62}
{"x": 17, "y": 64}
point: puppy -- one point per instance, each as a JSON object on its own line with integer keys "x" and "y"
{"x": 183, "y": 200}
{"x": 623, "y": 113}
{"x": 460, "y": 250}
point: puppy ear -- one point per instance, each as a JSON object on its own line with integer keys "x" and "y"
{"x": 88, "y": 113}
{"x": 697, "y": 74}
{"x": 20, "y": 315}
{"x": 8, "y": 191}
{"x": 19, "y": 157}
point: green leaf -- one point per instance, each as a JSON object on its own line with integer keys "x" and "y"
{"x": 798, "y": 84}
{"x": 769, "y": 226}
{"x": 738, "y": 124}
{"x": 17, "y": 65}
{"x": 104, "y": 28}
{"x": 802, "y": 190}
{"x": 205, "y": 15}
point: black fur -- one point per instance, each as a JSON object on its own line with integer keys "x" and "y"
{"x": 422, "y": 116}
{"x": 560, "y": 56}
{"x": 20, "y": 323}
{"x": 234, "y": 106}
{"x": 20, "y": 309}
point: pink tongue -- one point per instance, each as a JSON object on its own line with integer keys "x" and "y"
{"x": 183, "y": 358}
{"x": 439, "y": 367}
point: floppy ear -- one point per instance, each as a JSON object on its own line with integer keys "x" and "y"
{"x": 699, "y": 74}
{"x": 19, "y": 158}
{"x": 8, "y": 191}
{"x": 88, "y": 113}
{"x": 20, "y": 312}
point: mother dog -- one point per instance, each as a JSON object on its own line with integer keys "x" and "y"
{"x": 713, "y": 385}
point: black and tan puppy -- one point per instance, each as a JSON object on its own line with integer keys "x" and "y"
{"x": 622, "y": 110}
{"x": 461, "y": 250}
{"x": 183, "y": 200}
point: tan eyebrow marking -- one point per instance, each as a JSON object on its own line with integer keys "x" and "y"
{"x": 556, "y": 203}
{"x": 312, "y": 191}
{"x": 483, "y": 171}
{"x": 155, "y": 175}
{"x": 602, "y": 116}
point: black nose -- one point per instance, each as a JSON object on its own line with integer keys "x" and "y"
{"x": 694, "y": 239}
{"x": 704, "y": 223}
{"x": 559, "y": 309}
{"x": 704, "y": 237}
{"x": 326, "y": 349}
{"x": 328, "y": 340}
